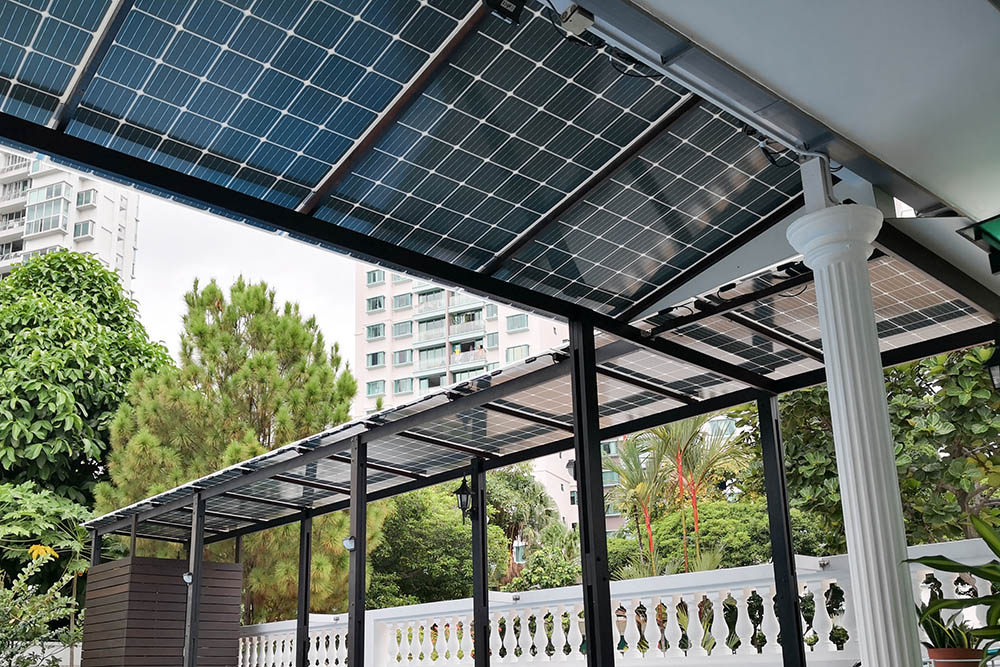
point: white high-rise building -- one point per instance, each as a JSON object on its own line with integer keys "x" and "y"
{"x": 44, "y": 207}
{"x": 413, "y": 337}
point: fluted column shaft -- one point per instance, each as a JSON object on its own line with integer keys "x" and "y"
{"x": 836, "y": 244}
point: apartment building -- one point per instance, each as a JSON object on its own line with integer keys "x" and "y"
{"x": 44, "y": 207}
{"x": 413, "y": 337}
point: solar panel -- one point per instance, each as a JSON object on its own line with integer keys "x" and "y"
{"x": 515, "y": 121}
{"x": 42, "y": 45}
{"x": 263, "y": 97}
{"x": 620, "y": 402}
{"x": 693, "y": 188}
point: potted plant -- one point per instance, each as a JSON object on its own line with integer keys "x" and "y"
{"x": 949, "y": 643}
{"x": 987, "y": 636}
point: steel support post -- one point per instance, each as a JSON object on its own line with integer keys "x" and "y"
{"x": 780, "y": 524}
{"x": 356, "y": 574}
{"x": 590, "y": 492}
{"x": 96, "y": 544}
{"x": 193, "y": 610}
{"x": 133, "y": 530}
{"x": 480, "y": 569}
{"x": 305, "y": 574}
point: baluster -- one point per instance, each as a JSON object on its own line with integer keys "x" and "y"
{"x": 495, "y": 640}
{"x": 437, "y": 642}
{"x": 412, "y": 643}
{"x": 701, "y": 631}
{"x": 632, "y": 633}
{"x": 425, "y": 643}
{"x": 518, "y": 638}
{"x": 392, "y": 643}
{"x": 451, "y": 641}
{"x": 559, "y": 635}
{"x": 246, "y": 652}
{"x": 822, "y": 623}
{"x": 262, "y": 652}
{"x": 847, "y": 620}
{"x": 341, "y": 646}
{"x": 672, "y": 629}
{"x": 744, "y": 627}
{"x": 719, "y": 629}
{"x": 575, "y": 637}
{"x": 465, "y": 640}
{"x": 654, "y": 633}
{"x": 532, "y": 637}
{"x": 769, "y": 626}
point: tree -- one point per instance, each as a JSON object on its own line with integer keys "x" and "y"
{"x": 546, "y": 567}
{"x": 253, "y": 375}
{"x": 33, "y": 619}
{"x": 71, "y": 340}
{"x": 519, "y": 504}
{"x": 426, "y": 551}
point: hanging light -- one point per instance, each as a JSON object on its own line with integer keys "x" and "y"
{"x": 348, "y": 543}
{"x": 188, "y": 578}
{"x": 464, "y": 497}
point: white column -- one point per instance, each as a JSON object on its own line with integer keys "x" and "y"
{"x": 836, "y": 244}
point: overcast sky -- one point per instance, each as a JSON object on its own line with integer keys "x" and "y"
{"x": 177, "y": 244}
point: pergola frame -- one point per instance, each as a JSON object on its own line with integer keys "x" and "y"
{"x": 583, "y": 363}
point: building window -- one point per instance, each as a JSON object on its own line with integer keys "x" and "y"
{"x": 374, "y": 304}
{"x": 402, "y": 386}
{"x": 86, "y": 198}
{"x": 402, "y": 357}
{"x": 610, "y": 477}
{"x": 11, "y": 220}
{"x": 492, "y": 367}
{"x": 492, "y": 341}
{"x": 375, "y": 277}
{"x": 430, "y": 301}
{"x": 375, "y": 332}
{"x": 491, "y": 311}
{"x": 402, "y": 329}
{"x": 519, "y": 553}
{"x": 375, "y": 359}
{"x": 15, "y": 190}
{"x": 517, "y": 322}
{"x": 433, "y": 382}
{"x": 400, "y": 278}
{"x": 431, "y": 329}
{"x": 462, "y": 376}
{"x": 431, "y": 358}
{"x": 83, "y": 229}
{"x": 610, "y": 448}
{"x": 48, "y": 208}
{"x": 572, "y": 497}
{"x": 516, "y": 353}
{"x": 402, "y": 301}
{"x": 375, "y": 388}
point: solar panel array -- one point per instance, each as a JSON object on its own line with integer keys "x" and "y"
{"x": 517, "y": 119}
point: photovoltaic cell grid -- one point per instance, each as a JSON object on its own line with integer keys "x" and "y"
{"x": 552, "y": 400}
{"x": 910, "y": 307}
{"x": 621, "y": 402}
{"x": 515, "y": 120}
{"x": 490, "y": 431}
{"x": 652, "y": 367}
{"x": 42, "y": 44}
{"x": 692, "y": 189}
{"x": 263, "y": 97}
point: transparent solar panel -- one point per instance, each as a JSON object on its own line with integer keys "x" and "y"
{"x": 675, "y": 375}
{"x": 515, "y": 120}
{"x": 490, "y": 431}
{"x": 621, "y": 402}
{"x": 263, "y": 97}
{"x": 550, "y": 400}
{"x": 416, "y": 456}
{"x": 690, "y": 190}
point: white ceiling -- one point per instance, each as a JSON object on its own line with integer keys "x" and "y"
{"x": 916, "y": 83}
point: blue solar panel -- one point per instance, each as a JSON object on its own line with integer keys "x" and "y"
{"x": 515, "y": 121}
{"x": 261, "y": 96}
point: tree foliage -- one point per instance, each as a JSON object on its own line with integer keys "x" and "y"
{"x": 253, "y": 375}
{"x": 426, "y": 551}
{"x": 546, "y": 567}
{"x": 519, "y": 505}
{"x": 71, "y": 341}
{"x": 33, "y": 618}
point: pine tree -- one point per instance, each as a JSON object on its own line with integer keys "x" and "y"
{"x": 252, "y": 376}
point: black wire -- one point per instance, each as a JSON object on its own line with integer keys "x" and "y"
{"x": 638, "y": 75}
{"x": 804, "y": 288}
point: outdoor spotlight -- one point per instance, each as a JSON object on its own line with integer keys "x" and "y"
{"x": 993, "y": 366}
{"x": 349, "y": 543}
{"x": 464, "y": 497}
{"x": 571, "y": 468}
{"x": 188, "y": 578}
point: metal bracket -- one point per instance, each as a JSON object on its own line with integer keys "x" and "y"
{"x": 817, "y": 183}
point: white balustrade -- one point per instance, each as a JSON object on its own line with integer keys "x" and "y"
{"x": 440, "y": 633}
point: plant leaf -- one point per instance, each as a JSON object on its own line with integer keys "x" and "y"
{"x": 989, "y": 536}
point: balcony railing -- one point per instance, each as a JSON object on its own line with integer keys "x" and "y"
{"x": 7, "y": 225}
{"x": 468, "y": 357}
{"x": 459, "y": 299}
{"x": 430, "y": 333}
{"x": 13, "y": 194}
{"x": 474, "y": 326}
{"x": 429, "y": 364}
{"x": 11, "y": 257}
{"x": 430, "y": 305}
{"x": 16, "y": 166}
{"x": 438, "y": 633}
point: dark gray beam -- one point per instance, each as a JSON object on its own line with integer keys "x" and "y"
{"x": 512, "y": 411}
{"x": 782, "y": 547}
{"x": 192, "y": 611}
{"x": 312, "y": 484}
{"x": 597, "y": 612}
{"x": 447, "y": 444}
{"x": 775, "y": 336}
{"x": 480, "y": 568}
{"x": 171, "y": 524}
{"x": 639, "y": 383}
{"x": 96, "y": 544}
{"x": 302, "y": 642}
{"x": 356, "y": 568}
{"x": 685, "y": 104}
{"x": 382, "y": 467}
{"x": 287, "y": 504}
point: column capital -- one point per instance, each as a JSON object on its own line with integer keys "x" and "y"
{"x": 835, "y": 234}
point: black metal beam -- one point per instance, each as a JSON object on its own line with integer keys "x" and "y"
{"x": 88, "y": 71}
{"x": 171, "y": 524}
{"x": 223, "y": 515}
{"x": 147, "y": 536}
{"x": 357, "y": 565}
{"x": 287, "y": 504}
{"x": 302, "y": 642}
{"x": 639, "y": 383}
{"x": 386, "y": 120}
{"x": 713, "y": 258}
{"x": 312, "y": 484}
{"x": 685, "y": 104}
{"x": 480, "y": 568}
{"x": 447, "y": 444}
{"x": 382, "y": 467}
{"x": 192, "y": 611}
{"x": 597, "y": 612}
{"x": 96, "y": 544}
{"x": 780, "y": 523}
{"x": 775, "y": 336}
{"x": 132, "y": 536}
{"x": 541, "y": 420}
{"x": 897, "y": 244}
